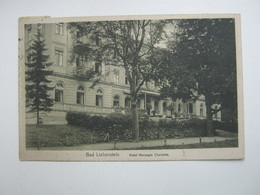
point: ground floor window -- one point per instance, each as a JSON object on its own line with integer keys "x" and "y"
{"x": 99, "y": 100}
{"x": 127, "y": 102}
{"x": 116, "y": 101}
{"x": 138, "y": 104}
{"x": 164, "y": 108}
{"x": 179, "y": 108}
{"x": 80, "y": 98}
{"x": 156, "y": 106}
{"x": 216, "y": 114}
{"x": 201, "y": 109}
{"x": 58, "y": 95}
{"x": 190, "y": 106}
{"x": 80, "y": 95}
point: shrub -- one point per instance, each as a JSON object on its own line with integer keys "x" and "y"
{"x": 77, "y": 118}
{"x": 118, "y": 118}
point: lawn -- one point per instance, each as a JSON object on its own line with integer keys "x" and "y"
{"x": 56, "y": 135}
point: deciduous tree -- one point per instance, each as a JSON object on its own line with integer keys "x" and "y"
{"x": 131, "y": 44}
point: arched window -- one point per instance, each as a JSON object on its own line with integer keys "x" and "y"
{"x": 116, "y": 100}
{"x": 99, "y": 98}
{"x": 201, "y": 109}
{"x": 59, "y": 92}
{"x": 80, "y": 95}
{"x": 127, "y": 102}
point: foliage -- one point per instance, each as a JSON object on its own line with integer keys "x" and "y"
{"x": 202, "y": 61}
{"x": 131, "y": 44}
{"x": 36, "y": 77}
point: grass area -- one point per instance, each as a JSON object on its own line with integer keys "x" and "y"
{"x": 220, "y": 144}
{"x": 56, "y": 135}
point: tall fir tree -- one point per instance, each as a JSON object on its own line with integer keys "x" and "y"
{"x": 36, "y": 77}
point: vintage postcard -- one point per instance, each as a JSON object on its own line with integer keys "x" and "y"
{"x": 131, "y": 88}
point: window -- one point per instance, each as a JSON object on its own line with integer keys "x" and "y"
{"x": 40, "y": 28}
{"x": 116, "y": 76}
{"x": 215, "y": 115}
{"x": 190, "y": 106}
{"x": 146, "y": 84}
{"x": 79, "y": 36}
{"x": 138, "y": 104}
{"x": 59, "y": 92}
{"x": 58, "y": 95}
{"x": 179, "y": 108}
{"x": 164, "y": 108}
{"x": 127, "y": 102}
{"x": 156, "y": 106}
{"x": 201, "y": 109}
{"x": 126, "y": 80}
{"x": 98, "y": 67}
{"x": 99, "y": 97}
{"x": 80, "y": 95}
{"x": 59, "y": 29}
{"x": 29, "y": 31}
{"x": 116, "y": 100}
{"x": 58, "y": 58}
{"x": 79, "y": 61}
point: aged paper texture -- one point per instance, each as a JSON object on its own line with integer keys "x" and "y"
{"x": 131, "y": 88}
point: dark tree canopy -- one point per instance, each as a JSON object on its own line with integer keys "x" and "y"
{"x": 201, "y": 60}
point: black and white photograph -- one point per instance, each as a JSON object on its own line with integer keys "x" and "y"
{"x": 131, "y": 88}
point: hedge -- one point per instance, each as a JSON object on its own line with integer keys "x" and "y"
{"x": 119, "y": 126}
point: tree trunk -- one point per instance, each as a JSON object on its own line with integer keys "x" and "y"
{"x": 38, "y": 116}
{"x": 210, "y": 129}
{"x": 135, "y": 121}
